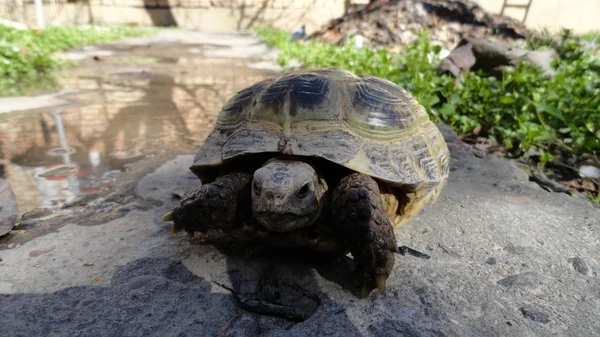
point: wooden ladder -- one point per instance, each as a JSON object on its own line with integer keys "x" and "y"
{"x": 513, "y": 5}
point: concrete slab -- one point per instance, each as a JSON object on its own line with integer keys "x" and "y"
{"x": 18, "y": 103}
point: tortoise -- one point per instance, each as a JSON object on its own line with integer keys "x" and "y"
{"x": 321, "y": 159}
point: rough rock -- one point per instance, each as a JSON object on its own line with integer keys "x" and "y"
{"x": 472, "y": 54}
{"x": 9, "y": 209}
{"x": 507, "y": 259}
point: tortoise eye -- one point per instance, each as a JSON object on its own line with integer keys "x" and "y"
{"x": 303, "y": 191}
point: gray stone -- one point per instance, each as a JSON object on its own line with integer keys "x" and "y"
{"x": 526, "y": 279}
{"x": 9, "y": 209}
{"x": 535, "y": 315}
{"x": 580, "y": 265}
{"x": 491, "y": 260}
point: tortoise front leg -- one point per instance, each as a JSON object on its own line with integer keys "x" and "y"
{"x": 220, "y": 204}
{"x": 361, "y": 221}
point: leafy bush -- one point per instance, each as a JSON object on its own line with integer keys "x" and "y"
{"x": 26, "y": 56}
{"x": 522, "y": 110}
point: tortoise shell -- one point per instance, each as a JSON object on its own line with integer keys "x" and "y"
{"x": 367, "y": 124}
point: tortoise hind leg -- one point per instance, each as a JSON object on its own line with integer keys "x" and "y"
{"x": 361, "y": 221}
{"x": 220, "y": 204}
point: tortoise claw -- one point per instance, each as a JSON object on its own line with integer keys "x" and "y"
{"x": 380, "y": 281}
{"x": 175, "y": 229}
{"x": 167, "y": 217}
{"x": 380, "y": 284}
{"x": 366, "y": 290}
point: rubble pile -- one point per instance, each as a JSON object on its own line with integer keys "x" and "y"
{"x": 387, "y": 23}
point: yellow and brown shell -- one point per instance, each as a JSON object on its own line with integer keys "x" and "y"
{"x": 366, "y": 124}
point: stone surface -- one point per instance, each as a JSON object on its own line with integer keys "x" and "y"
{"x": 8, "y": 104}
{"x": 502, "y": 265}
{"x": 8, "y": 208}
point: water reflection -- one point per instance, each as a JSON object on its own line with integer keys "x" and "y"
{"x": 56, "y": 156}
{"x": 58, "y": 184}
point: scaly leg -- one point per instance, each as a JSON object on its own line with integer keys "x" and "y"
{"x": 220, "y": 204}
{"x": 362, "y": 223}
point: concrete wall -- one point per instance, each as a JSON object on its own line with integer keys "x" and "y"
{"x": 204, "y": 15}
{"x": 578, "y": 15}
{"x": 231, "y": 15}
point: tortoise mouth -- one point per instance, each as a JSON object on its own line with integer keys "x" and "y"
{"x": 284, "y": 222}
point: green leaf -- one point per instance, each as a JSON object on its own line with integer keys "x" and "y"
{"x": 507, "y": 100}
{"x": 550, "y": 110}
{"x": 447, "y": 109}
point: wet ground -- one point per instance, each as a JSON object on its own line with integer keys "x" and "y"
{"x": 126, "y": 102}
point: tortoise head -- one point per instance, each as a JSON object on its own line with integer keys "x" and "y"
{"x": 287, "y": 194}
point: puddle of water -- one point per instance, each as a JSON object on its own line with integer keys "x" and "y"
{"x": 123, "y": 111}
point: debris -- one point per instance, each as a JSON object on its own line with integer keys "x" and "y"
{"x": 580, "y": 185}
{"x": 404, "y": 250}
{"x": 395, "y": 22}
{"x": 547, "y": 183}
{"x": 472, "y": 54}
{"x": 589, "y": 171}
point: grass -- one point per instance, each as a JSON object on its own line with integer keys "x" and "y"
{"x": 27, "y": 57}
{"x": 523, "y": 110}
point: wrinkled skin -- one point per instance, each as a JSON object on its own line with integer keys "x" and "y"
{"x": 288, "y": 202}
{"x": 287, "y": 195}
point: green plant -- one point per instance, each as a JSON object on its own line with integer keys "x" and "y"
{"x": 27, "y": 56}
{"x": 593, "y": 199}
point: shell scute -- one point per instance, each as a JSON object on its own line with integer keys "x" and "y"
{"x": 233, "y": 110}
{"x": 307, "y": 91}
{"x": 337, "y": 146}
{"x": 274, "y": 96}
{"x": 238, "y": 143}
{"x": 381, "y": 103}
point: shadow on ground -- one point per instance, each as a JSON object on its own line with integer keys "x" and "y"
{"x": 161, "y": 297}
